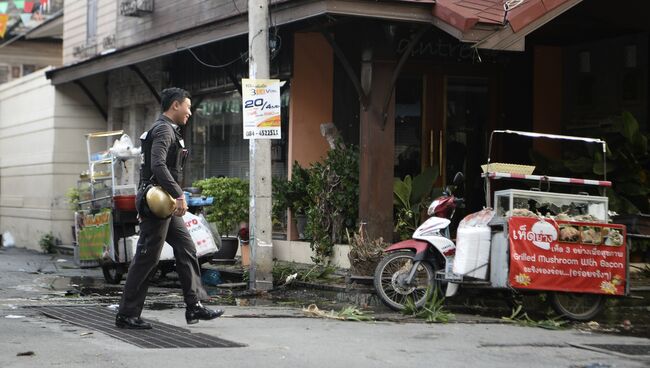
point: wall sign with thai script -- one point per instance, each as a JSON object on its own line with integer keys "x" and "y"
{"x": 567, "y": 256}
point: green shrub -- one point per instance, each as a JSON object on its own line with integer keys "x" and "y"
{"x": 47, "y": 243}
{"x": 334, "y": 191}
{"x": 231, "y": 202}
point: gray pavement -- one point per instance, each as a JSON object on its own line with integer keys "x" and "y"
{"x": 275, "y": 336}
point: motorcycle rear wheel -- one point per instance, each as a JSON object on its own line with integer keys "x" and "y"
{"x": 577, "y": 307}
{"x": 389, "y": 275}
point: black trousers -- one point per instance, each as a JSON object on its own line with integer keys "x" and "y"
{"x": 153, "y": 233}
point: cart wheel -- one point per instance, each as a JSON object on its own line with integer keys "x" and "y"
{"x": 111, "y": 274}
{"x": 578, "y": 307}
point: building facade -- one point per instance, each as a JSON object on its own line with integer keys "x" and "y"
{"x": 414, "y": 84}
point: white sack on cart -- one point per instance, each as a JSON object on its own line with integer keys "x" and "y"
{"x": 473, "y": 241}
{"x": 123, "y": 148}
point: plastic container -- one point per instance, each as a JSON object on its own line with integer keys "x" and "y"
{"x": 472, "y": 252}
{"x": 125, "y": 202}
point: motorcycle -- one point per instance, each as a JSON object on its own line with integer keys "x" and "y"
{"x": 413, "y": 269}
{"x": 408, "y": 271}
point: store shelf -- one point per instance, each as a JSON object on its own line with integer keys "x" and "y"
{"x": 102, "y": 161}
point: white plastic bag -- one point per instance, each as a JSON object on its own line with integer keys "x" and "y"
{"x": 200, "y": 233}
{"x": 123, "y": 148}
{"x": 8, "y": 240}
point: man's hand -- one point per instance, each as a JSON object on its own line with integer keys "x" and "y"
{"x": 181, "y": 207}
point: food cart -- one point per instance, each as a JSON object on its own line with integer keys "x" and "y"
{"x": 106, "y": 223}
{"x": 543, "y": 241}
{"x": 106, "y": 217}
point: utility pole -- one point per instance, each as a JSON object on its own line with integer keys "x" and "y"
{"x": 260, "y": 273}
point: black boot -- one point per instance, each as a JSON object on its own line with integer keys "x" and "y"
{"x": 197, "y": 312}
{"x": 131, "y": 323}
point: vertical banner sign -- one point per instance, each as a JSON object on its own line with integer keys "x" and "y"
{"x": 261, "y": 104}
{"x": 94, "y": 235}
{"x": 577, "y": 257}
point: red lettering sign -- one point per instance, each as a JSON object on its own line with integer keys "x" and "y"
{"x": 567, "y": 256}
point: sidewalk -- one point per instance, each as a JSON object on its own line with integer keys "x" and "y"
{"x": 275, "y": 334}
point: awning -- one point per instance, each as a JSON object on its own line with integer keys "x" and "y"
{"x": 515, "y": 19}
{"x": 466, "y": 20}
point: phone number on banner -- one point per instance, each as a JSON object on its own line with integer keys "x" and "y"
{"x": 263, "y": 133}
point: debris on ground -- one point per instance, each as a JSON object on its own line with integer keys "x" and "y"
{"x": 346, "y": 314}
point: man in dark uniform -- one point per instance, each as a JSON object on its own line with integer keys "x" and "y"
{"x": 164, "y": 155}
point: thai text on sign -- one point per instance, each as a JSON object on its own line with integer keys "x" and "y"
{"x": 261, "y": 108}
{"x": 567, "y": 256}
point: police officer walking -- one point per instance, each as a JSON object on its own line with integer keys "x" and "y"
{"x": 164, "y": 155}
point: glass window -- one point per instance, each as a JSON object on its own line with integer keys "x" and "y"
{"x": 91, "y": 21}
{"x": 28, "y": 69}
{"x": 217, "y": 147}
{"x": 4, "y": 74}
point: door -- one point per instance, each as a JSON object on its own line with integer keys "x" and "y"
{"x": 459, "y": 113}
{"x": 466, "y": 123}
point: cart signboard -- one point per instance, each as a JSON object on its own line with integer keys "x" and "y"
{"x": 568, "y": 256}
{"x": 94, "y": 236}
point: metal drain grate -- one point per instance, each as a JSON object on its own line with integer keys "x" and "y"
{"x": 162, "y": 336}
{"x": 626, "y": 349}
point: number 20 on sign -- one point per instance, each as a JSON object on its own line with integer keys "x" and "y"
{"x": 261, "y": 108}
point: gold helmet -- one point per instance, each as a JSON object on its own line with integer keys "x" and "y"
{"x": 161, "y": 203}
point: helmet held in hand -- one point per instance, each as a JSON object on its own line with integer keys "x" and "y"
{"x": 161, "y": 203}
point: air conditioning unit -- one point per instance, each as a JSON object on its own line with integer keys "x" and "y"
{"x": 136, "y": 8}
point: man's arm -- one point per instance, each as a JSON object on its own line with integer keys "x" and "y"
{"x": 163, "y": 138}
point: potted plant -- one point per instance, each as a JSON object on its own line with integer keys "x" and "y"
{"x": 229, "y": 210}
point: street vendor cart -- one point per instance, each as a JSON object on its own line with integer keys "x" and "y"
{"x": 107, "y": 216}
{"x": 526, "y": 241}
{"x": 106, "y": 223}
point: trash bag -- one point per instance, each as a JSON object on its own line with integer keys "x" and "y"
{"x": 8, "y": 240}
{"x": 213, "y": 230}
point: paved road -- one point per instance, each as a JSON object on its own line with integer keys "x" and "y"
{"x": 282, "y": 337}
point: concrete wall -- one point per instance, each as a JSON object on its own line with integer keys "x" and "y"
{"x": 311, "y": 103}
{"x": 298, "y": 251}
{"x": 31, "y": 52}
{"x": 75, "y": 30}
{"x": 42, "y": 152}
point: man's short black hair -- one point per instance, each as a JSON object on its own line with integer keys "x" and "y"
{"x": 169, "y": 95}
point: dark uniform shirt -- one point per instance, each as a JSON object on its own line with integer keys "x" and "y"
{"x": 164, "y": 155}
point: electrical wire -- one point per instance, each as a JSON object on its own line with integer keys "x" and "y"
{"x": 216, "y": 66}
{"x": 234, "y": 2}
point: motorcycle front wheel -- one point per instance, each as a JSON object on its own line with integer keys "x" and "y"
{"x": 578, "y": 307}
{"x": 390, "y": 281}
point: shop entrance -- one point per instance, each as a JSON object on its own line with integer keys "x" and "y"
{"x": 442, "y": 119}
{"x": 465, "y": 125}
